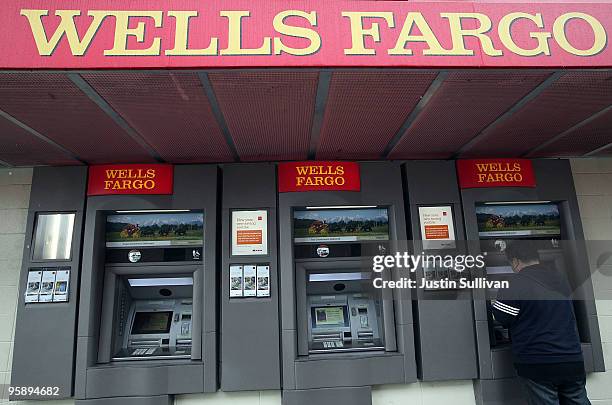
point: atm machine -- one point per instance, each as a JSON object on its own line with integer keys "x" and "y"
{"x": 339, "y": 310}
{"x": 147, "y": 322}
{"x": 546, "y": 215}
{"x": 339, "y": 334}
{"x": 148, "y": 311}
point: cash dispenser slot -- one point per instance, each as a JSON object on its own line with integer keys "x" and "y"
{"x": 322, "y": 337}
{"x": 365, "y": 336}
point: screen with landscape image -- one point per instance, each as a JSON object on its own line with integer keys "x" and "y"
{"x": 528, "y": 219}
{"x": 154, "y": 229}
{"x": 340, "y": 225}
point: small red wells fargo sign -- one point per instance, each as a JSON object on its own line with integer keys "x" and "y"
{"x": 318, "y": 176}
{"x": 130, "y": 179}
{"x": 474, "y": 173}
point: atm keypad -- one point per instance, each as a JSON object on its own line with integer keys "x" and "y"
{"x": 143, "y": 352}
{"x": 333, "y": 344}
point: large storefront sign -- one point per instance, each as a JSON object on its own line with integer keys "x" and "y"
{"x": 476, "y": 173}
{"x": 130, "y": 179}
{"x": 318, "y": 176}
{"x": 241, "y": 33}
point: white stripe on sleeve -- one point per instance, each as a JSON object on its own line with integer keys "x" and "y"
{"x": 505, "y": 308}
{"x": 509, "y": 307}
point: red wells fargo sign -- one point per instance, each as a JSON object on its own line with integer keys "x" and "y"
{"x": 131, "y": 179}
{"x": 474, "y": 173}
{"x": 318, "y": 176}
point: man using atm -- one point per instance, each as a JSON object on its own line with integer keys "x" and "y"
{"x": 539, "y": 314}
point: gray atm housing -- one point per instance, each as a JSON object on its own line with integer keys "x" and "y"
{"x": 250, "y": 353}
{"x": 445, "y": 339}
{"x": 343, "y": 378}
{"x": 497, "y": 382}
{"x": 99, "y": 380}
{"x": 45, "y": 333}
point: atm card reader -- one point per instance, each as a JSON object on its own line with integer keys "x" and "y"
{"x": 158, "y": 329}
{"x": 343, "y": 322}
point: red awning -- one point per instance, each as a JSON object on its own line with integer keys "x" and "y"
{"x": 62, "y": 118}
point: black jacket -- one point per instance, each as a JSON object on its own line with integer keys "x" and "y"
{"x": 539, "y": 313}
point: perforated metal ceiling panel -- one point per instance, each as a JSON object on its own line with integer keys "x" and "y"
{"x": 20, "y": 148}
{"x": 269, "y": 114}
{"x": 52, "y": 105}
{"x": 584, "y": 139}
{"x": 464, "y": 105}
{"x": 573, "y": 98}
{"x": 169, "y": 110}
{"x": 365, "y": 110}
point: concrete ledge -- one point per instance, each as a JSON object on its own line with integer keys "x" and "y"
{"x": 135, "y": 380}
{"x": 158, "y": 400}
{"x": 507, "y": 391}
{"x": 379, "y": 369}
{"x": 329, "y": 396}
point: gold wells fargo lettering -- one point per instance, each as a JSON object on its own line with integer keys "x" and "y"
{"x": 499, "y": 172}
{"x": 145, "y": 27}
{"x": 129, "y": 179}
{"x": 319, "y": 176}
{"x": 364, "y": 27}
{"x": 366, "y": 24}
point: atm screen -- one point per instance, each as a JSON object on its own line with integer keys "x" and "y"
{"x": 340, "y": 225}
{"x": 146, "y": 323}
{"x": 325, "y": 317}
{"x": 154, "y": 229}
{"x": 518, "y": 219}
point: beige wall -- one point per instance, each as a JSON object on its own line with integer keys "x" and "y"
{"x": 593, "y": 178}
{"x": 14, "y": 199}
